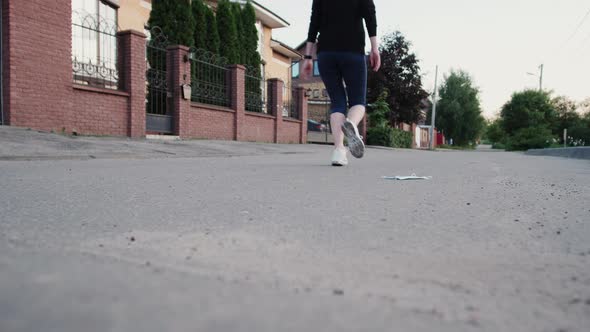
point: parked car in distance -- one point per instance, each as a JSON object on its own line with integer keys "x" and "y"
{"x": 313, "y": 125}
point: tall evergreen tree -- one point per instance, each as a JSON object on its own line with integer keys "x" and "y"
{"x": 237, "y": 12}
{"x": 162, "y": 15}
{"x": 252, "y": 56}
{"x": 175, "y": 19}
{"x": 212, "y": 42}
{"x": 200, "y": 17}
{"x": 184, "y": 24}
{"x": 228, "y": 33}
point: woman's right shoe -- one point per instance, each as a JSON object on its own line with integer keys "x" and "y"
{"x": 355, "y": 141}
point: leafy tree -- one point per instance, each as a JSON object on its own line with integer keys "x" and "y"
{"x": 458, "y": 113}
{"x": 228, "y": 33}
{"x": 584, "y": 107}
{"x": 527, "y": 120}
{"x": 400, "y": 77}
{"x": 494, "y": 132}
{"x": 536, "y": 137}
{"x": 527, "y": 109}
{"x": 567, "y": 117}
{"x": 379, "y": 132}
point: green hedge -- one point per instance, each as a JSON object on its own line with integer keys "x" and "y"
{"x": 530, "y": 138}
{"x": 389, "y": 137}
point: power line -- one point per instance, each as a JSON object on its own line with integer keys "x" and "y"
{"x": 578, "y": 27}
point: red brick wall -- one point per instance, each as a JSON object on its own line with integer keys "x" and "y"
{"x": 39, "y": 61}
{"x": 99, "y": 113}
{"x": 208, "y": 122}
{"x": 5, "y": 68}
{"x": 259, "y": 128}
{"x": 39, "y": 92}
{"x": 290, "y": 131}
{"x": 38, "y": 81}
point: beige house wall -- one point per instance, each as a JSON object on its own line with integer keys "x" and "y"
{"x": 276, "y": 66}
{"x": 134, "y": 14}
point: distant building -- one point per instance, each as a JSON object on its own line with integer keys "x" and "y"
{"x": 319, "y": 102}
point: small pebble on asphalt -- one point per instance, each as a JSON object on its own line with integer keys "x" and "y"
{"x": 338, "y": 292}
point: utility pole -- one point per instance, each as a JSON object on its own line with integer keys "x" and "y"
{"x": 541, "y": 67}
{"x": 541, "y": 77}
{"x": 433, "y": 120}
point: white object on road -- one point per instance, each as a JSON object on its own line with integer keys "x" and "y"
{"x": 411, "y": 177}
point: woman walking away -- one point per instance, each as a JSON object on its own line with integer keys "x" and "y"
{"x": 342, "y": 65}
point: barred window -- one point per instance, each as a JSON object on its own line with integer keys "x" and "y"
{"x": 94, "y": 43}
{"x": 295, "y": 70}
{"x": 316, "y": 68}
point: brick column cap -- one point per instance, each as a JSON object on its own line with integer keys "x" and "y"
{"x": 131, "y": 32}
{"x": 178, "y": 47}
{"x": 242, "y": 67}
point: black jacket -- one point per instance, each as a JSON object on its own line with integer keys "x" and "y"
{"x": 340, "y": 24}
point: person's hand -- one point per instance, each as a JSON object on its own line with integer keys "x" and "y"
{"x": 306, "y": 68}
{"x": 375, "y": 60}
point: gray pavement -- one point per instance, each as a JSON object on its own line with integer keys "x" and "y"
{"x": 581, "y": 152}
{"x": 105, "y": 234}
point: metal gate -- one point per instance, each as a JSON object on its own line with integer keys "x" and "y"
{"x": 318, "y": 121}
{"x": 319, "y": 129}
{"x": 159, "y": 117}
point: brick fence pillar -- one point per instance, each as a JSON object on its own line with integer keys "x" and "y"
{"x": 132, "y": 80}
{"x": 238, "y": 98}
{"x": 179, "y": 73}
{"x": 275, "y": 100}
{"x": 301, "y": 104}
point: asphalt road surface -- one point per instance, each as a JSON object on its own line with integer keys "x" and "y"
{"x": 121, "y": 235}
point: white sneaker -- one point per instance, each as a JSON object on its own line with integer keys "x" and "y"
{"x": 339, "y": 157}
{"x": 355, "y": 141}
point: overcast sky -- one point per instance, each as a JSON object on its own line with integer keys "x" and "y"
{"x": 496, "y": 41}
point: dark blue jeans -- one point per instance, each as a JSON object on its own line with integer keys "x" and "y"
{"x": 344, "y": 74}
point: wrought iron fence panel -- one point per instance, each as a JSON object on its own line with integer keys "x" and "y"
{"x": 256, "y": 91}
{"x": 209, "y": 78}
{"x": 156, "y": 73}
{"x": 94, "y": 50}
{"x": 290, "y": 102}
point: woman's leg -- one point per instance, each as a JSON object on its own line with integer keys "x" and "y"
{"x": 354, "y": 73}
{"x": 356, "y": 114}
{"x": 331, "y": 75}
{"x": 336, "y": 121}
